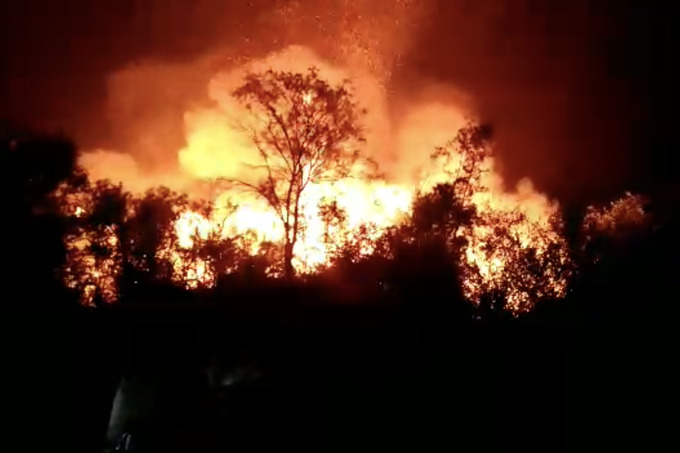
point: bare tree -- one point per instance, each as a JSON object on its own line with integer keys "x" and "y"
{"x": 305, "y": 131}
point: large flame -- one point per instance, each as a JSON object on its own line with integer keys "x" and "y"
{"x": 217, "y": 148}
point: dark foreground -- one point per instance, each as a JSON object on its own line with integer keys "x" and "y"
{"x": 338, "y": 379}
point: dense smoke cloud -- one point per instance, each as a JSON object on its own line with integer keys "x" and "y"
{"x": 555, "y": 78}
{"x": 177, "y": 123}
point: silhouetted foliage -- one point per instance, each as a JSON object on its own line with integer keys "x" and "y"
{"x": 609, "y": 230}
{"x": 37, "y": 165}
{"x": 466, "y": 159}
{"x": 33, "y": 166}
{"x": 442, "y": 213}
{"x": 150, "y": 226}
{"x": 96, "y": 215}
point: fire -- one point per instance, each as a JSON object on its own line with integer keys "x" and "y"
{"x": 620, "y": 217}
{"x": 90, "y": 273}
{"x": 216, "y": 147}
{"x": 526, "y": 214}
{"x": 511, "y": 229}
{"x": 188, "y": 226}
{"x": 366, "y": 202}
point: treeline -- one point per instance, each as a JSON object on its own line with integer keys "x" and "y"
{"x": 93, "y": 243}
{"x": 385, "y": 307}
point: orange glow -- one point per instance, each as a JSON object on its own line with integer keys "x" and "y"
{"x": 216, "y": 147}
{"x": 620, "y": 217}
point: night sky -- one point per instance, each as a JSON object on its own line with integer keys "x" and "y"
{"x": 580, "y": 92}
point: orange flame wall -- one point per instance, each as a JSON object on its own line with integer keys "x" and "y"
{"x": 401, "y": 144}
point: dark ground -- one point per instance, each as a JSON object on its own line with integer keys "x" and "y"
{"x": 350, "y": 379}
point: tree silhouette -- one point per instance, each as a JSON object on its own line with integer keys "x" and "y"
{"x": 305, "y": 131}
{"x": 516, "y": 275}
{"x": 150, "y": 229}
{"x": 419, "y": 257}
{"x": 211, "y": 254}
{"x": 95, "y": 237}
{"x": 466, "y": 159}
{"x": 33, "y": 165}
{"x": 442, "y": 213}
{"x": 447, "y": 208}
{"x": 608, "y": 230}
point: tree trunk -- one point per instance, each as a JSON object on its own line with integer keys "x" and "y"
{"x": 291, "y": 239}
{"x": 289, "y": 271}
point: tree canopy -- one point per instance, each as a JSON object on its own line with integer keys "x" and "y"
{"x": 305, "y": 131}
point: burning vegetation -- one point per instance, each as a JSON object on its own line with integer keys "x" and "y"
{"x": 284, "y": 183}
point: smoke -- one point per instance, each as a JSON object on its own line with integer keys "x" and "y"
{"x": 555, "y": 78}
{"x": 145, "y": 104}
{"x": 174, "y": 121}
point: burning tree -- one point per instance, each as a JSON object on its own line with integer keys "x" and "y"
{"x": 503, "y": 250}
{"x": 608, "y": 230}
{"x": 446, "y": 210}
{"x": 306, "y": 131}
{"x": 95, "y": 237}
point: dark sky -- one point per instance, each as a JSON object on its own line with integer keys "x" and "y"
{"x": 581, "y": 92}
